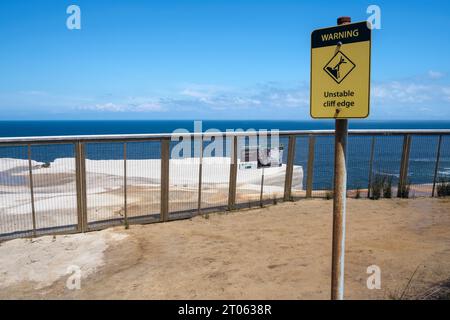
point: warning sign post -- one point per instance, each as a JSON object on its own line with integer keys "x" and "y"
{"x": 340, "y": 89}
{"x": 340, "y": 71}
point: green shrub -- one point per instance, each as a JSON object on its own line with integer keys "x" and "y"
{"x": 381, "y": 187}
{"x": 376, "y": 187}
{"x": 443, "y": 188}
{"x": 387, "y": 187}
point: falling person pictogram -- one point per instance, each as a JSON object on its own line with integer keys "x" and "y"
{"x": 336, "y": 70}
{"x": 339, "y": 67}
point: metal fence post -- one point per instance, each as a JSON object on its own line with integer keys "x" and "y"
{"x": 403, "y": 177}
{"x": 436, "y": 168}
{"x": 289, "y": 169}
{"x": 372, "y": 149}
{"x": 125, "y": 185}
{"x": 310, "y": 171}
{"x": 165, "y": 156}
{"x": 233, "y": 175}
{"x": 33, "y": 210}
{"x": 261, "y": 190}
{"x": 80, "y": 173}
{"x": 200, "y": 174}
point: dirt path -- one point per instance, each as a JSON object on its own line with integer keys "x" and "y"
{"x": 279, "y": 252}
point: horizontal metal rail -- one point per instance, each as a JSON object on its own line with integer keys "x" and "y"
{"x": 159, "y": 136}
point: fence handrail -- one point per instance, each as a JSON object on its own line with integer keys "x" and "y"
{"x": 159, "y": 136}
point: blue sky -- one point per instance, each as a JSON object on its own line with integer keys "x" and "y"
{"x": 213, "y": 59}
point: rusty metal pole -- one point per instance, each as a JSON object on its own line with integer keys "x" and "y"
{"x": 372, "y": 152}
{"x": 80, "y": 172}
{"x": 339, "y": 202}
{"x": 262, "y": 189}
{"x": 233, "y": 175}
{"x": 200, "y": 176}
{"x": 310, "y": 170}
{"x": 30, "y": 174}
{"x": 289, "y": 169}
{"x": 436, "y": 168}
{"x": 165, "y": 165}
{"x": 125, "y": 203}
{"x": 403, "y": 177}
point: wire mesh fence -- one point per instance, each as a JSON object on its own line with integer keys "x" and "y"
{"x": 105, "y": 183}
{"x": 386, "y": 163}
{"x": 274, "y": 177}
{"x": 249, "y": 178}
{"x": 443, "y": 168}
{"x": 70, "y": 185}
{"x": 54, "y": 187}
{"x": 143, "y": 181}
{"x": 257, "y": 184}
{"x": 15, "y": 212}
{"x": 323, "y": 166}
{"x": 184, "y": 169}
{"x": 299, "y": 179}
{"x": 358, "y": 165}
{"x": 422, "y": 163}
{"x": 215, "y": 175}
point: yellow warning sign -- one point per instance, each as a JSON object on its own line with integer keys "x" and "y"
{"x": 340, "y": 71}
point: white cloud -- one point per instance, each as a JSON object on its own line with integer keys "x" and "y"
{"x": 402, "y": 92}
{"x": 446, "y": 93}
{"x": 261, "y": 96}
{"x": 435, "y": 74}
{"x": 149, "y": 106}
{"x": 195, "y": 94}
{"x": 123, "y": 107}
{"x": 34, "y": 93}
{"x": 413, "y": 98}
{"x": 106, "y": 107}
{"x": 280, "y": 96}
{"x": 203, "y": 92}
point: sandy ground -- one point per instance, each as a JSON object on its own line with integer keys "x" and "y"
{"x": 279, "y": 252}
{"x": 44, "y": 260}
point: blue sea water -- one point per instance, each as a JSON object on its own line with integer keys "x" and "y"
{"x": 386, "y": 158}
{"x": 49, "y": 128}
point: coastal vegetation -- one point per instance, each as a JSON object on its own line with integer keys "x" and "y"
{"x": 381, "y": 187}
{"x": 443, "y": 187}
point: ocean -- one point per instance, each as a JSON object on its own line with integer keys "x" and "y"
{"x": 386, "y": 157}
{"x": 50, "y": 128}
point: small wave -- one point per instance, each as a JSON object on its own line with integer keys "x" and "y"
{"x": 422, "y": 159}
{"x": 433, "y": 159}
{"x": 396, "y": 175}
